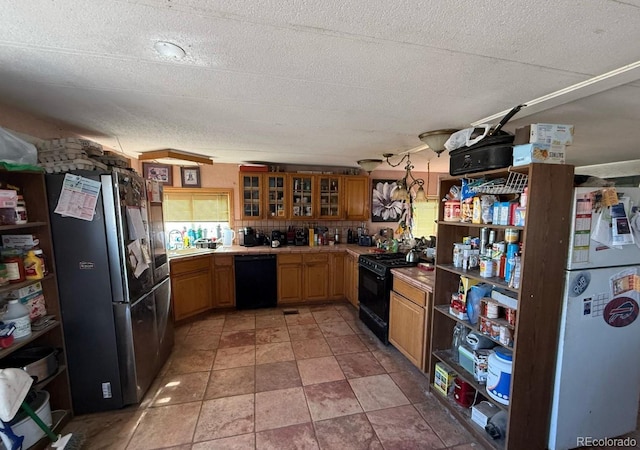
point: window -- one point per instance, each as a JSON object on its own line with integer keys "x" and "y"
{"x": 198, "y": 205}
{"x": 425, "y": 215}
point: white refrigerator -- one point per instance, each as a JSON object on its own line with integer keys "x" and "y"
{"x": 597, "y": 381}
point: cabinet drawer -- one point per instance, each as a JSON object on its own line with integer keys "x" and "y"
{"x": 223, "y": 260}
{"x": 412, "y": 293}
{"x": 290, "y": 258}
{"x": 316, "y": 258}
{"x": 190, "y": 264}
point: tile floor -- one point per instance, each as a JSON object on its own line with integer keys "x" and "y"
{"x": 265, "y": 380}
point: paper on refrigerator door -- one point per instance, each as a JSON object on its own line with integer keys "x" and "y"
{"x": 78, "y": 197}
{"x": 135, "y": 224}
{"x": 136, "y": 258}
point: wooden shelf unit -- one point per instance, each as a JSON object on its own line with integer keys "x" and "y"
{"x": 34, "y": 192}
{"x": 545, "y": 242}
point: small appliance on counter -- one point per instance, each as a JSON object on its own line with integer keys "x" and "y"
{"x": 365, "y": 241}
{"x": 248, "y": 237}
{"x": 302, "y": 236}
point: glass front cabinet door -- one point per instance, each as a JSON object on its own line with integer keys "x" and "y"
{"x": 301, "y": 197}
{"x": 276, "y": 198}
{"x": 250, "y": 186}
{"x": 329, "y": 189}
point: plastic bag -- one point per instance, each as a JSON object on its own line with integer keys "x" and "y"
{"x": 15, "y": 150}
{"x": 462, "y": 138}
{"x": 475, "y": 294}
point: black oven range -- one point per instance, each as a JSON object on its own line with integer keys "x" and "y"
{"x": 375, "y": 283}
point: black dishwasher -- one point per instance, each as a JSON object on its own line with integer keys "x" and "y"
{"x": 256, "y": 281}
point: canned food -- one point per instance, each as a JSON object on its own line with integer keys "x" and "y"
{"x": 505, "y": 336}
{"x": 486, "y": 267}
{"x": 510, "y": 315}
{"x": 492, "y": 310}
{"x": 495, "y": 331}
{"x": 511, "y": 235}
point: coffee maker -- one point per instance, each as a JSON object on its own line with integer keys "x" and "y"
{"x": 302, "y": 236}
{"x": 279, "y": 236}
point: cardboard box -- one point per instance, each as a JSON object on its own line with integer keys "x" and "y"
{"x": 27, "y": 290}
{"x": 482, "y": 412}
{"x": 538, "y": 153}
{"x": 19, "y": 241}
{"x": 443, "y": 379}
{"x": 8, "y": 198}
{"x": 544, "y": 133}
{"x": 32, "y": 298}
{"x": 465, "y": 358}
{"x": 505, "y": 298}
{"x": 465, "y": 285}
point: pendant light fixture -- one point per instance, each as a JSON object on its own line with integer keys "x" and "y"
{"x": 406, "y": 183}
{"x": 369, "y": 165}
{"x": 436, "y": 139}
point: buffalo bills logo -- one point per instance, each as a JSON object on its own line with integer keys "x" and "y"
{"x": 620, "y": 312}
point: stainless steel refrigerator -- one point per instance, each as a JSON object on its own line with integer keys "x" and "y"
{"x": 113, "y": 284}
{"x": 597, "y": 382}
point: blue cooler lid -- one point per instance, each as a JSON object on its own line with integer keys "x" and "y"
{"x": 504, "y": 354}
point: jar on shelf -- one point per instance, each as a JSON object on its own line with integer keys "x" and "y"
{"x": 21, "y": 211}
{"x": 43, "y": 261}
{"x": 14, "y": 263}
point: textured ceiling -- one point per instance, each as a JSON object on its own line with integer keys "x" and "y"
{"x": 307, "y": 82}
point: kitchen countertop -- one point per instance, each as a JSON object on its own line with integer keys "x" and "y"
{"x": 355, "y": 250}
{"x": 419, "y": 278}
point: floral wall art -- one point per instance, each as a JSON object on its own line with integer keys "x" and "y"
{"x": 383, "y": 207}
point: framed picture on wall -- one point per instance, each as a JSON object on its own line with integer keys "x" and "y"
{"x": 190, "y": 176}
{"x": 159, "y": 172}
{"x": 383, "y": 207}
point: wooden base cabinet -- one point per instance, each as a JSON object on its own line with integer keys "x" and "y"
{"x": 316, "y": 276}
{"x": 224, "y": 284}
{"x": 408, "y": 321}
{"x": 290, "y": 278}
{"x": 351, "y": 278}
{"x": 337, "y": 264}
{"x": 191, "y": 286}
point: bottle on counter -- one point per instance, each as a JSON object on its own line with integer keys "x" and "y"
{"x": 349, "y": 236}
{"x": 199, "y": 232}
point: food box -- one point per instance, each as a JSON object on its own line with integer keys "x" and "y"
{"x": 503, "y": 297}
{"x": 465, "y": 358}
{"x": 19, "y": 241}
{"x": 33, "y": 298}
{"x": 544, "y": 133}
{"x": 465, "y": 285}
{"x": 482, "y": 412}
{"x": 8, "y": 198}
{"x": 538, "y": 153}
{"x": 443, "y": 379}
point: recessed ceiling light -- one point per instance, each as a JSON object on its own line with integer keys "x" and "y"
{"x": 169, "y": 49}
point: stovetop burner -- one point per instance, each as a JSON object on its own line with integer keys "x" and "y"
{"x": 382, "y": 263}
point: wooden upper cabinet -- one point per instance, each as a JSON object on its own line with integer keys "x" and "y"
{"x": 250, "y": 187}
{"x": 329, "y": 188}
{"x": 357, "y": 192}
{"x": 276, "y": 188}
{"x": 301, "y": 196}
